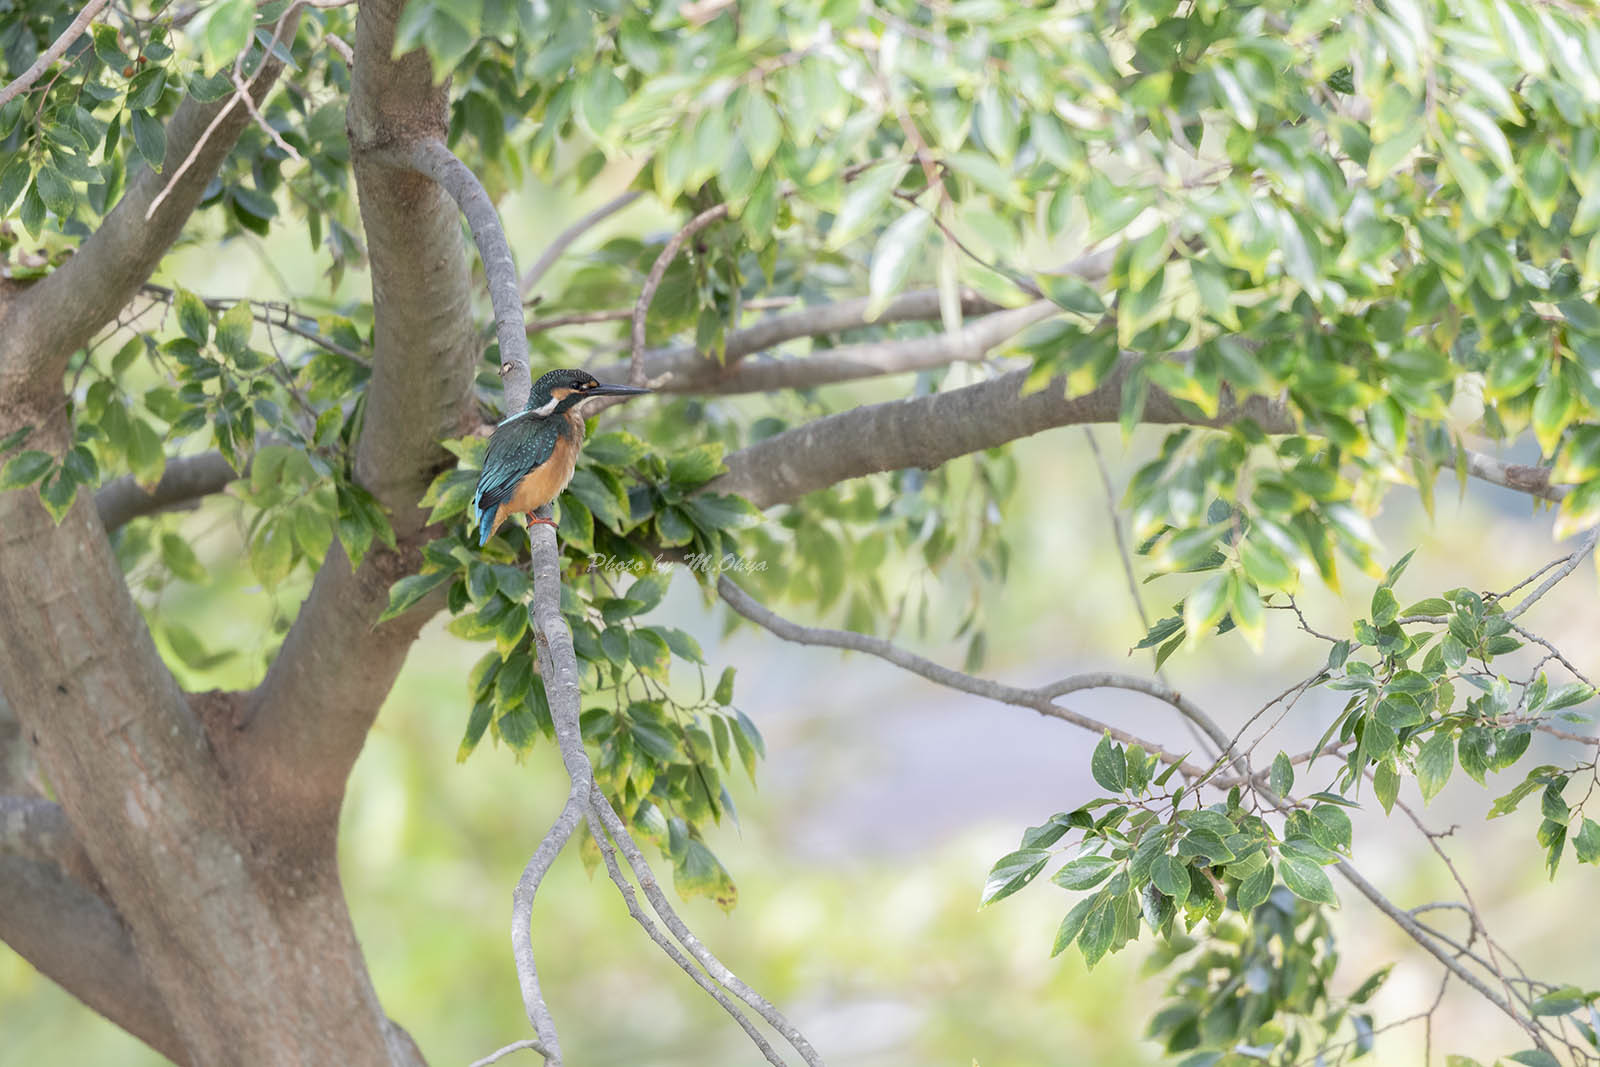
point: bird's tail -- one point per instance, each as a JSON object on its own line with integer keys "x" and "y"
{"x": 485, "y": 524}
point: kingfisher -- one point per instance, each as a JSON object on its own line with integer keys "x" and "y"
{"x": 533, "y": 453}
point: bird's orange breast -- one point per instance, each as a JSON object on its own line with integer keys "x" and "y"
{"x": 545, "y": 482}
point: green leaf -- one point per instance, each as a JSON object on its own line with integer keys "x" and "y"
{"x": 1171, "y": 876}
{"x": 869, "y": 195}
{"x": 1013, "y": 871}
{"x": 1071, "y": 924}
{"x": 225, "y": 30}
{"x": 1099, "y": 928}
{"x": 180, "y": 559}
{"x": 1255, "y": 889}
{"x": 1204, "y": 607}
{"x": 896, "y": 252}
{"x": 1307, "y": 880}
{"x": 56, "y": 191}
{"x": 724, "y": 692}
{"x": 1535, "y": 1057}
{"x": 193, "y": 317}
{"x": 1071, "y": 294}
{"x": 696, "y": 466}
{"x": 1084, "y": 872}
{"x": 1109, "y": 765}
{"x": 149, "y": 137}
{"x": 1281, "y": 777}
{"x": 233, "y": 330}
{"x": 272, "y": 551}
{"x": 1435, "y": 760}
{"x": 25, "y": 468}
{"x": 1587, "y": 842}
{"x": 698, "y": 872}
{"x": 409, "y": 591}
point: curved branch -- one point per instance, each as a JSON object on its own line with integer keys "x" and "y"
{"x": 431, "y": 157}
{"x": 564, "y": 240}
{"x": 603, "y": 815}
{"x": 1041, "y": 700}
{"x": 652, "y": 282}
{"x": 57, "y": 48}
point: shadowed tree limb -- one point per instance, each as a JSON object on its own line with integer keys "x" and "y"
{"x": 185, "y": 480}
{"x": 308, "y": 719}
{"x": 868, "y": 359}
{"x": 78, "y": 941}
{"x": 929, "y": 430}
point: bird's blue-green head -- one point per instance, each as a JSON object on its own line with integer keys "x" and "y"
{"x": 560, "y": 390}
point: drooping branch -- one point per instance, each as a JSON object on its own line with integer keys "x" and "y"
{"x": 679, "y": 367}
{"x": 24, "y": 81}
{"x": 46, "y": 322}
{"x": 559, "y": 674}
{"x": 1041, "y": 700}
{"x": 652, "y": 282}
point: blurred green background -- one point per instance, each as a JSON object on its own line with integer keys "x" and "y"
{"x": 862, "y": 848}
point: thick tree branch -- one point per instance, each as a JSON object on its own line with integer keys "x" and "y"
{"x": 185, "y": 480}
{"x": 75, "y": 938}
{"x": 46, "y": 322}
{"x": 309, "y": 717}
{"x": 57, "y": 49}
{"x": 930, "y": 430}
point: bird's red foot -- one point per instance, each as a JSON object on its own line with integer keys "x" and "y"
{"x": 532, "y": 518}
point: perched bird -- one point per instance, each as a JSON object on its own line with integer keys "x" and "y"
{"x": 532, "y": 454}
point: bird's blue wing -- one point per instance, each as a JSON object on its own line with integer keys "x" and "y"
{"x": 517, "y": 447}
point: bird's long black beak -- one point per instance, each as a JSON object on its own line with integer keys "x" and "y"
{"x": 606, "y": 389}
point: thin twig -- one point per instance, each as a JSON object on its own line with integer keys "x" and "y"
{"x": 714, "y": 967}
{"x": 652, "y": 282}
{"x": 608, "y": 855}
{"x": 566, "y": 237}
{"x": 261, "y": 311}
{"x": 1583, "y": 548}
{"x": 57, "y": 48}
{"x": 515, "y": 1046}
{"x": 222, "y": 112}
